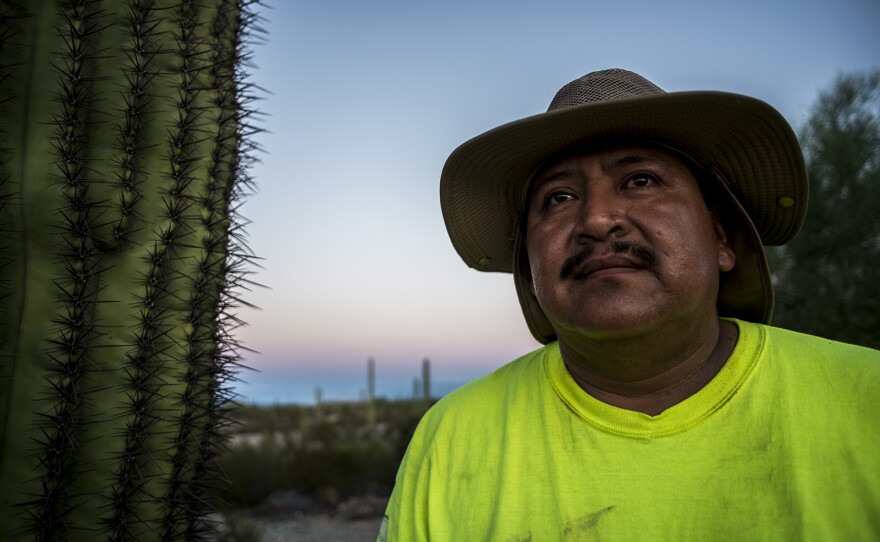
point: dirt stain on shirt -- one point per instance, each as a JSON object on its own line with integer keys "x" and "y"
{"x": 581, "y": 528}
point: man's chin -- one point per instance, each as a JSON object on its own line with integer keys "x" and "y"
{"x": 610, "y": 321}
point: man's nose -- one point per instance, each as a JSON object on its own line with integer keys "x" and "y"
{"x": 601, "y": 214}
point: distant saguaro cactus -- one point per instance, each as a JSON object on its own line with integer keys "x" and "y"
{"x": 371, "y": 392}
{"x": 124, "y": 152}
{"x": 426, "y": 380}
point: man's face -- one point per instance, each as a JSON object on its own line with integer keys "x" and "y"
{"x": 620, "y": 242}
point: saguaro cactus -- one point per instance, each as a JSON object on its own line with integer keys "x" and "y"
{"x": 124, "y": 151}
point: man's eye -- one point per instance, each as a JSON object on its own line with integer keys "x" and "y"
{"x": 554, "y": 198}
{"x": 640, "y": 180}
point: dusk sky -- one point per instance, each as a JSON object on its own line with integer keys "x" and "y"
{"x": 367, "y": 99}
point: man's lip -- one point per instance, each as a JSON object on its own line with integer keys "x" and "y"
{"x": 593, "y": 265}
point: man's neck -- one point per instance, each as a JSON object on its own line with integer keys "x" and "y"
{"x": 649, "y": 375}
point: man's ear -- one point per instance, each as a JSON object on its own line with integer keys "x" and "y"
{"x": 726, "y": 255}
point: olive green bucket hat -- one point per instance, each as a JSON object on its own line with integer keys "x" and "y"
{"x": 741, "y": 143}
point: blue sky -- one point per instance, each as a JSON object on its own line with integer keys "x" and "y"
{"x": 367, "y": 99}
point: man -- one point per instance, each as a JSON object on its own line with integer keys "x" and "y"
{"x": 662, "y": 406}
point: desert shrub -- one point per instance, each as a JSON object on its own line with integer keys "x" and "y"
{"x": 239, "y": 529}
{"x": 329, "y": 452}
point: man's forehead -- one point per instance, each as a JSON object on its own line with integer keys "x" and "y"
{"x": 609, "y": 158}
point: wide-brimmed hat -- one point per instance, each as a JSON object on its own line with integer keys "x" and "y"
{"x": 741, "y": 143}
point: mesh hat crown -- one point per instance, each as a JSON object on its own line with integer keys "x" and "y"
{"x": 601, "y": 86}
{"x": 745, "y": 145}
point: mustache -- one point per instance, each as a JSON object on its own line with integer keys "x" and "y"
{"x": 645, "y": 255}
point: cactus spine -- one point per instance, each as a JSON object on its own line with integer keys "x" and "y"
{"x": 124, "y": 152}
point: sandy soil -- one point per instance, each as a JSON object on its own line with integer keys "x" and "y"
{"x": 321, "y": 528}
{"x": 288, "y": 515}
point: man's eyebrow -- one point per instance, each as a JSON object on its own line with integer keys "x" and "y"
{"x": 633, "y": 159}
{"x": 555, "y": 176}
{"x": 622, "y": 162}
{"x": 541, "y": 179}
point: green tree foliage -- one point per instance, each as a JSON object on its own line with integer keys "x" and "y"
{"x": 826, "y": 280}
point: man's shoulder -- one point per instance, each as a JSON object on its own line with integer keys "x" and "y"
{"x": 805, "y": 358}
{"x": 820, "y": 386}
{"x": 491, "y": 394}
{"x": 806, "y": 346}
{"x": 519, "y": 372}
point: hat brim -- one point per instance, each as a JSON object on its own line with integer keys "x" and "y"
{"x": 743, "y": 140}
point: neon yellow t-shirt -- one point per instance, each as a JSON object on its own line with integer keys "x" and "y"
{"x": 783, "y": 444}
